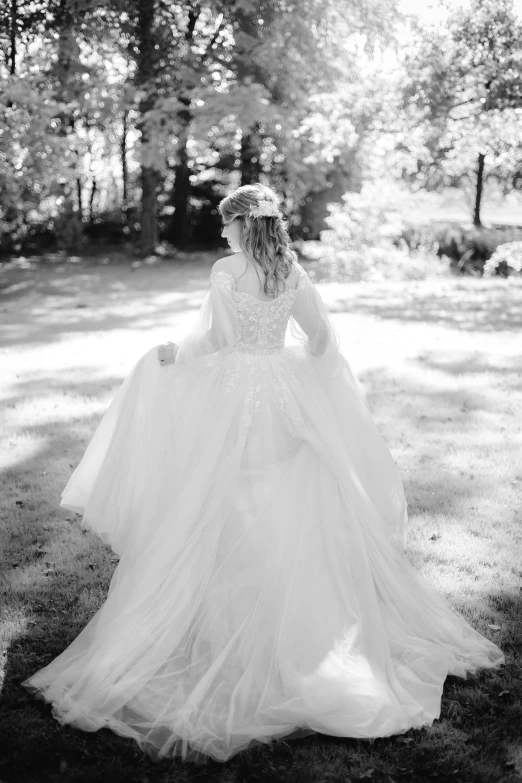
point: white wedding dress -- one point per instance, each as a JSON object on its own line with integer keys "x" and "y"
{"x": 262, "y": 590}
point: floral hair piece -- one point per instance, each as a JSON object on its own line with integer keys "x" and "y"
{"x": 265, "y": 207}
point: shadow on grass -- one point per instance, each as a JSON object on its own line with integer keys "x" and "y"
{"x": 479, "y": 723}
{"x": 480, "y": 719}
{"x": 509, "y": 373}
{"x": 475, "y": 718}
{"x": 49, "y": 305}
{"x": 474, "y": 305}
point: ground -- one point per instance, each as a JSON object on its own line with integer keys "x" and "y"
{"x": 441, "y": 364}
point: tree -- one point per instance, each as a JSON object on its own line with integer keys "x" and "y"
{"x": 183, "y": 98}
{"x": 20, "y": 21}
{"x": 145, "y": 71}
{"x": 198, "y": 33}
{"x": 251, "y": 70}
{"x": 464, "y": 92}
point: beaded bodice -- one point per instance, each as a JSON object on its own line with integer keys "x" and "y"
{"x": 263, "y": 323}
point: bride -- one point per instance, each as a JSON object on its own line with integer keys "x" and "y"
{"x": 262, "y": 589}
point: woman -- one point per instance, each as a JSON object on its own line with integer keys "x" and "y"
{"x": 262, "y": 589}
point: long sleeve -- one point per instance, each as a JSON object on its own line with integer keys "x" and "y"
{"x": 310, "y": 324}
{"x": 217, "y": 326}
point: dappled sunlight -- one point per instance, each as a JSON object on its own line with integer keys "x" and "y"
{"x": 447, "y": 401}
{"x": 447, "y": 396}
{"x": 391, "y": 133}
{"x": 21, "y": 447}
{"x": 54, "y": 304}
{"x": 469, "y": 304}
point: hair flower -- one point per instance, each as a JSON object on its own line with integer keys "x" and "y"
{"x": 264, "y": 208}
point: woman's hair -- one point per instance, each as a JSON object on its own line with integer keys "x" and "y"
{"x": 263, "y": 235}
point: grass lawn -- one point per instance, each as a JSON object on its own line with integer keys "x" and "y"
{"x": 441, "y": 362}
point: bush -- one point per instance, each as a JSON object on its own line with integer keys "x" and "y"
{"x": 374, "y": 264}
{"x": 363, "y": 240}
{"x": 113, "y": 227}
{"x": 469, "y": 249}
{"x": 505, "y": 261}
{"x": 69, "y": 231}
{"x": 363, "y": 219}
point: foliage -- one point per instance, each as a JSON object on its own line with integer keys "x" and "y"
{"x": 157, "y": 109}
{"x": 361, "y": 239}
{"x": 151, "y": 102}
{"x": 378, "y": 264}
{"x": 368, "y": 218}
{"x": 33, "y": 160}
{"x": 463, "y": 99}
{"x": 469, "y": 249}
{"x": 505, "y": 261}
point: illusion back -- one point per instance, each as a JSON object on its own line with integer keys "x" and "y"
{"x": 263, "y": 323}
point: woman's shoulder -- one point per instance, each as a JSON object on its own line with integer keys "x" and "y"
{"x": 229, "y": 269}
{"x": 233, "y": 265}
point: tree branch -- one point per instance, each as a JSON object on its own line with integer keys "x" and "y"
{"x": 192, "y": 21}
{"x": 213, "y": 39}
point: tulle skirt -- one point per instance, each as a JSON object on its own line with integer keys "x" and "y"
{"x": 262, "y": 590}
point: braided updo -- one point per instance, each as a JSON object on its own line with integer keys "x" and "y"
{"x": 263, "y": 237}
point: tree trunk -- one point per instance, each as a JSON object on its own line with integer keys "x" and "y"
{"x": 79, "y": 196}
{"x": 13, "y": 30}
{"x": 250, "y": 165}
{"x": 178, "y": 228}
{"x": 124, "y": 167}
{"x": 246, "y": 17}
{"x": 91, "y": 200}
{"x": 149, "y": 226}
{"x": 478, "y": 191}
{"x": 144, "y": 80}
{"x": 68, "y": 53}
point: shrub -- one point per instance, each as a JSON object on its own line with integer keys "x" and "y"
{"x": 363, "y": 219}
{"x": 69, "y": 231}
{"x": 469, "y": 249}
{"x": 505, "y": 261}
{"x": 363, "y": 240}
{"x": 375, "y": 264}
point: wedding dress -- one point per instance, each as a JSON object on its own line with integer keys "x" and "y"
{"x": 262, "y": 589}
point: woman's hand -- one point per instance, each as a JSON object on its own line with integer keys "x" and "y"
{"x": 167, "y": 353}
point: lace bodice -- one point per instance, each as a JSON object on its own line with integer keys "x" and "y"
{"x": 263, "y": 323}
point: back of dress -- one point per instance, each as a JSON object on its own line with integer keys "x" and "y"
{"x": 263, "y": 324}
